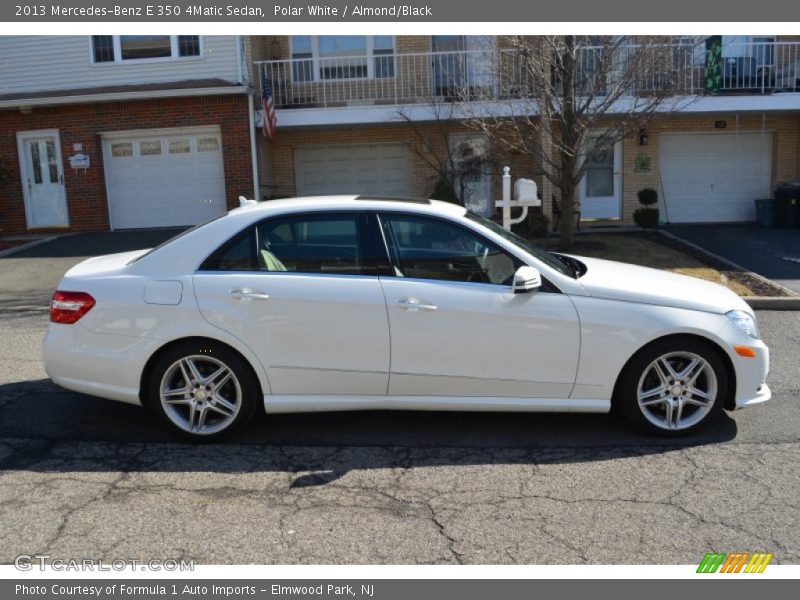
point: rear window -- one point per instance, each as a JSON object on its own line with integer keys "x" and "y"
{"x": 176, "y": 237}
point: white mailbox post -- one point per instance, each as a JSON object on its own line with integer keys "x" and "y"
{"x": 525, "y": 195}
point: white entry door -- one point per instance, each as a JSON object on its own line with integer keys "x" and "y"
{"x": 42, "y": 179}
{"x": 601, "y": 186}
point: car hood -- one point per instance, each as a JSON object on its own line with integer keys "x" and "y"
{"x": 631, "y": 283}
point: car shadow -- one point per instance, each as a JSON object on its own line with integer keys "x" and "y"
{"x": 46, "y": 428}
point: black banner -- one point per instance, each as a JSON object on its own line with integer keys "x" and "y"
{"x": 443, "y": 11}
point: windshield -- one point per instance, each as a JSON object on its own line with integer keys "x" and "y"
{"x": 523, "y": 244}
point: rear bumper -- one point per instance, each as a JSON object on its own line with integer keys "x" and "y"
{"x": 108, "y": 366}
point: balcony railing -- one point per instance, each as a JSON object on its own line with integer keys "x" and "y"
{"x": 413, "y": 78}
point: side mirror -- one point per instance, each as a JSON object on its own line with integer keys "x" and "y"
{"x": 526, "y": 279}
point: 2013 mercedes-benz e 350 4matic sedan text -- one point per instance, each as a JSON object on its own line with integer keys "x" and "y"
{"x": 344, "y": 303}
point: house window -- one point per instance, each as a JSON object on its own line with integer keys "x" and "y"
{"x": 135, "y": 47}
{"x": 103, "y": 48}
{"x": 150, "y": 148}
{"x": 180, "y": 147}
{"x": 329, "y": 57}
{"x": 124, "y": 48}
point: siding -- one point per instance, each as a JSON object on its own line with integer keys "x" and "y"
{"x": 40, "y": 63}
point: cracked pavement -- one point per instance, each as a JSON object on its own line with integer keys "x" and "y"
{"x": 83, "y": 477}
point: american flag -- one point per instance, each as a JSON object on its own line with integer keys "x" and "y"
{"x": 270, "y": 123}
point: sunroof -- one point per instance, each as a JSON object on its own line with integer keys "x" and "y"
{"x": 395, "y": 199}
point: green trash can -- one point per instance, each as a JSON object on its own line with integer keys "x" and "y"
{"x": 765, "y": 212}
{"x": 787, "y": 205}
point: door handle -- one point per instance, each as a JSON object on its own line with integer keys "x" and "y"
{"x": 415, "y": 304}
{"x": 247, "y": 294}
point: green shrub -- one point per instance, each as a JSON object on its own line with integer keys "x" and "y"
{"x": 646, "y": 217}
{"x": 443, "y": 190}
{"x": 648, "y": 196}
{"x": 535, "y": 225}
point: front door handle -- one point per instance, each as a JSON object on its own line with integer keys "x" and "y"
{"x": 415, "y": 304}
{"x": 245, "y": 293}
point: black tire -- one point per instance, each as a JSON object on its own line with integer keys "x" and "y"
{"x": 241, "y": 390}
{"x": 679, "y": 351}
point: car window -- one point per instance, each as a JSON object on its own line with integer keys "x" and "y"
{"x": 321, "y": 243}
{"x": 429, "y": 248}
{"x": 546, "y": 257}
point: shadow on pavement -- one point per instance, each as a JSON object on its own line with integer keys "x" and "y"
{"x": 41, "y": 420}
{"x": 94, "y": 244}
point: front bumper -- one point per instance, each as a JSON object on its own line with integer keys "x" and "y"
{"x": 751, "y": 372}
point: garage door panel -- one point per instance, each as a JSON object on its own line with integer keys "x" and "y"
{"x": 183, "y": 185}
{"x": 353, "y": 169}
{"x": 714, "y": 177}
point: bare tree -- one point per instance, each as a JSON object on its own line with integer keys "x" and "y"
{"x": 563, "y": 98}
{"x": 454, "y": 164}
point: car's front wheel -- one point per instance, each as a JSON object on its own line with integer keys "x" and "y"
{"x": 203, "y": 390}
{"x": 673, "y": 387}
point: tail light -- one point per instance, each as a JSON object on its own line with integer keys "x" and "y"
{"x": 69, "y": 307}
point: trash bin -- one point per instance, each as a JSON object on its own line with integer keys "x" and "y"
{"x": 765, "y": 212}
{"x": 787, "y": 205}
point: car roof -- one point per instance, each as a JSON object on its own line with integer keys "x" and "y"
{"x": 351, "y": 202}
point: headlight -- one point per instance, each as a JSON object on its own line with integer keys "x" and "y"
{"x": 744, "y": 321}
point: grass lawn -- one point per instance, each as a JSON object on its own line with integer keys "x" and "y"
{"x": 644, "y": 249}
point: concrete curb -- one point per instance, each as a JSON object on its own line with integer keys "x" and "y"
{"x": 772, "y": 302}
{"x": 791, "y": 295}
{"x": 32, "y": 244}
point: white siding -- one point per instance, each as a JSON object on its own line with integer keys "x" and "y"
{"x": 40, "y": 63}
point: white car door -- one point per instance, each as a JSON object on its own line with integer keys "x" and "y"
{"x": 457, "y": 329}
{"x": 299, "y": 291}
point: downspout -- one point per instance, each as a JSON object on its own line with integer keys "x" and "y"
{"x": 240, "y": 71}
{"x": 253, "y": 148}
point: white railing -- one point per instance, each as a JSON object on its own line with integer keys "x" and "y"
{"x": 395, "y": 79}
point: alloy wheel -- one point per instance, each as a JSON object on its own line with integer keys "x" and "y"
{"x": 677, "y": 390}
{"x": 200, "y": 394}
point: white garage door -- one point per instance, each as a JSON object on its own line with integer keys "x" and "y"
{"x": 353, "y": 169}
{"x": 164, "y": 179}
{"x": 714, "y": 177}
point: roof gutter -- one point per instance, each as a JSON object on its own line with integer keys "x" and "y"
{"x": 121, "y": 96}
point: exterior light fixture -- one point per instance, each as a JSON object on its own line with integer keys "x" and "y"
{"x": 643, "y": 137}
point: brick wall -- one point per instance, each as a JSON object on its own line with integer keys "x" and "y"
{"x": 86, "y": 192}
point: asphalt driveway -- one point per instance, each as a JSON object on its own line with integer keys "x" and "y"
{"x": 768, "y": 251}
{"x": 29, "y": 277}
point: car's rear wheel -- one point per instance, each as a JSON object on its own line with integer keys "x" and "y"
{"x": 203, "y": 390}
{"x": 673, "y": 387}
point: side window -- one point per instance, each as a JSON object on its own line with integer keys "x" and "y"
{"x": 426, "y": 248}
{"x": 234, "y": 255}
{"x": 311, "y": 243}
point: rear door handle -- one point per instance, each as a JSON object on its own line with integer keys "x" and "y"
{"x": 415, "y": 304}
{"x": 245, "y": 293}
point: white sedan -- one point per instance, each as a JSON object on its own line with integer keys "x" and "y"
{"x": 348, "y": 303}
